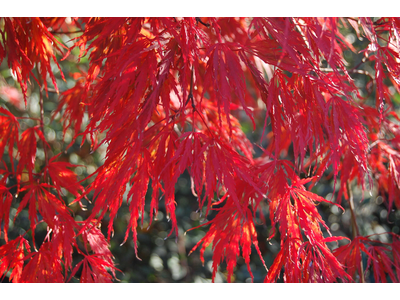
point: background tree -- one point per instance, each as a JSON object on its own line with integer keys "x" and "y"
{"x": 275, "y": 138}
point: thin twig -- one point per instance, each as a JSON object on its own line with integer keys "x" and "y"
{"x": 42, "y": 123}
{"x": 356, "y": 232}
{"x": 363, "y": 60}
{"x": 349, "y": 71}
{"x": 51, "y": 90}
{"x": 66, "y": 32}
{"x": 200, "y": 21}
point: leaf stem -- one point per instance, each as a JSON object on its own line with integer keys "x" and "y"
{"x": 356, "y": 232}
{"x": 42, "y": 124}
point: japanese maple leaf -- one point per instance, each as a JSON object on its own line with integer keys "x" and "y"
{"x": 12, "y": 256}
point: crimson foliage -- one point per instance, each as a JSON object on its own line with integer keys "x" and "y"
{"x": 166, "y": 95}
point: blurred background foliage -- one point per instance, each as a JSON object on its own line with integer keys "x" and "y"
{"x": 165, "y": 259}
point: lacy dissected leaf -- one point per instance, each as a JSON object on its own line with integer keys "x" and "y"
{"x": 137, "y": 194}
{"x": 224, "y": 74}
{"x": 113, "y": 177}
{"x": 385, "y": 171}
{"x": 236, "y": 138}
{"x": 383, "y": 55}
{"x": 9, "y": 127}
{"x": 27, "y": 150}
{"x": 109, "y": 188}
{"x": 118, "y": 170}
{"x": 6, "y": 199}
{"x": 145, "y": 63}
{"x": 74, "y": 101}
{"x": 223, "y": 29}
{"x": 12, "y": 256}
{"x": 144, "y": 84}
{"x": 325, "y": 39}
{"x": 112, "y": 101}
{"x": 94, "y": 270}
{"x": 309, "y": 262}
{"x": 346, "y": 131}
{"x": 396, "y": 253}
{"x": 189, "y": 37}
{"x": 289, "y": 249}
{"x": 94, "y": 238}
{"x": 170, "y": 164}
{"x": 381, "y": 264}
{"x": 299, "y": 46}
{"x": 293, "y": 208}
{"x": 60, "y": 24}
{"x": 28, "y": 44}
{"x": 214, "y": 167}
{"x": 382, "y": 258}
{"x": 163, "y": 172}
{"x": 168, "y": 95}
{"x": 229, "y": 232}
{"x": 98, "y": 259}
{"x": 270, "y": 52}
{"x": 42, "y": 201}
{"x": 350, "y": 256}
{"x": 383, "y": 157}
{"x": 391, "y": 52}
{"x": 113, "y": 32}
{"x": 297, "y": 112}
{"x": 284, "y": 44}
{"x": 274, "y": 182}
{"x": 63, "y": 240}
{"x": 63, "y": 177}
{"x": 297, "y": 209}
{"x": 319, "y": 264}
{"x": 42, "y": 267}
{"x": 309, "y": 217}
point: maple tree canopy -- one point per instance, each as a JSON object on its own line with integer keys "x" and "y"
{"x": 256, "y": 112}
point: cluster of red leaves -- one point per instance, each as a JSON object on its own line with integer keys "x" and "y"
{"x": 28, "y": 44}
{"x": 167, "y": 94}
{"x": 52, "y": 261}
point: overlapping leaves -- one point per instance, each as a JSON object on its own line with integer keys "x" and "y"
{"x": 167, "y": 94}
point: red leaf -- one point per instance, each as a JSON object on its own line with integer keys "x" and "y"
{"x": 42, "y": 201}
{"x": 6, "y": 199}
{"x": 43, "y": 267}
{"x": 62, "y": 177}
{"x": 225, "y": 75}
{"x": 229, "y": 232}
{"x": 94, "y": 270}
{"x": 9, "y": 127}
{"x": 12, "y": 256}
{"x": 28, "y": 43}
